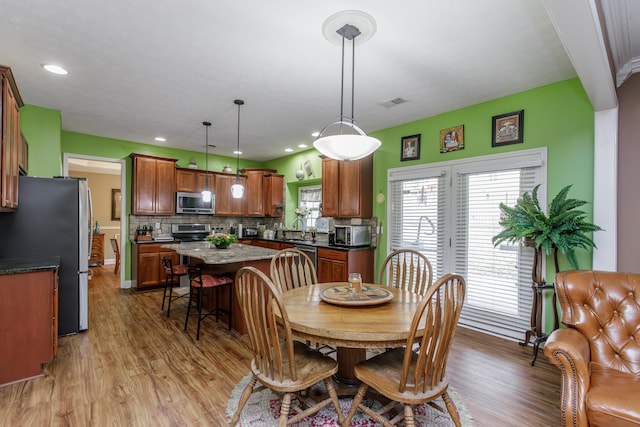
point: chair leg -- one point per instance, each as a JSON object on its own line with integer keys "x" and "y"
{"x": 170, "y": 297}
{"x": 409, "y": 420}
{"x": 284, "y": 410}
{"x": 334, "y": 398}
{"x": 217, "y": 303}
{"x": 230, "y": 303}
{"x": 186, "y": 320}
{"x": 164, "y": 294}
{"x": 451, "y": 408}
{"x": 243, "y": 400}
{"x": 200, "y": 295}
{"x": 357, "y": 399}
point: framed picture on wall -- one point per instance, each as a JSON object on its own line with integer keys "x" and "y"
{"x": 452, "y": 139}
{"x": 116, "y": 204}
{"x": 507, "y": 129}
{"x": 410, "y": 148}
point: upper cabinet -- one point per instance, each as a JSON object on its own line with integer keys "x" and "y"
{"x": 11, "y": 150}
{"x": 154, "y": 185}
{"x": 273, "y": 192}
{"x": 264, "y": 192}
{"x": 225, "y": 204}
{"x": 347, "y": 188}
{"x": 194, "y": 181}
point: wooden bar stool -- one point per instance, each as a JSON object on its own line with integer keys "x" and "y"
{"x": 198, "y": 282}
{"x": 172, "y": 278}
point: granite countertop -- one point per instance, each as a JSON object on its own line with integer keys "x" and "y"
{"x": 236, "y": 252}
{"x": 28, "y": 264}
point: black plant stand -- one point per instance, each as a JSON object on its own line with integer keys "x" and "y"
{"x": 538, "y": 286}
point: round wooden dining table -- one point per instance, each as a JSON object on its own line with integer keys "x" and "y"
{"x": 350, "y": 328}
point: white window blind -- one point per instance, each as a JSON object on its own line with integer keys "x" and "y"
{"x": 451, "y": 212}
{"x": 498, "y": 279}
{"x": 417, "y": 217}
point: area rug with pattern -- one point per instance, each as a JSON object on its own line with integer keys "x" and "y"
{"x": 263, "y": 409}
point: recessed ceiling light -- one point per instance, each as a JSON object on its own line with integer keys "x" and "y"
{"x": 314, "y": 134}
{"x": 55, "y": 69}
{"x": 302, "y": 145}
{"x": 237, "y": 152}
{"x": 288, "y": 150}
{"x": 160, "y": 139}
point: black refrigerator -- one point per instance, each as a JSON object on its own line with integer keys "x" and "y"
{"x": 54, "y": 219}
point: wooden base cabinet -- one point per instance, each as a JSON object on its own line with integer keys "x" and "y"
{"x": 334, "y": 265}
{"x": 147, "y": 264}
{"x": 96, "y": 259}
{"x": 28, "y": 323}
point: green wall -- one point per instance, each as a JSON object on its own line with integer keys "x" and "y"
{"x": 41, "y": 128}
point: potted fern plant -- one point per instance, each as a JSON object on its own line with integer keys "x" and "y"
{"x": 564, "y": 229}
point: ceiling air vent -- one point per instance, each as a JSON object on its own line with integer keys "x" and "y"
{"x": 393, "y": 102}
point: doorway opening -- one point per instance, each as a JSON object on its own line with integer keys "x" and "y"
{"x": 107, "y": 182}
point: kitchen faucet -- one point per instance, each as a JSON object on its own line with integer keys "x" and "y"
{"x": 302, "y": 223}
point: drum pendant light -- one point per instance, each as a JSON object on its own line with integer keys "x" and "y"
{"x": 237, "y": 189}
{"x": 206, "y": 193}
{"x": 354, "y": 144}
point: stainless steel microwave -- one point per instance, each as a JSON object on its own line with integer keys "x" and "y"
{"x": 192, "y": 203}
{"x": 352, "y": 235}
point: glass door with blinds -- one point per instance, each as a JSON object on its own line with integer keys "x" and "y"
{"x": 451, "y": 211}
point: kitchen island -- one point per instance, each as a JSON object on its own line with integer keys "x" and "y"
{"x": 227, "y": 262}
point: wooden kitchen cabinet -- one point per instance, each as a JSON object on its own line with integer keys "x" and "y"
{"x": 96, "y": 258}
{"x": 193, "y": 181}
{"x": 154, "y": 184}
{"x": 347, "y": 188}
{"x": 28, "y": 323}
{"x": 254, "y": 190}
{"x": 10, "y": 140}
{"x": 147, "y": 264}
{"x": 273, "y": 194}
{"x": 334, "y": 265}
{"x": 225, "y": 204}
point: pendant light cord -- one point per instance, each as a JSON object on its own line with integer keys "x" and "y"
{"x": 238, "y": 102}
{"x": 206, "y": 154}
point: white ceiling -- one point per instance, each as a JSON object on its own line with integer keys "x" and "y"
{"x": 140, "y": 69}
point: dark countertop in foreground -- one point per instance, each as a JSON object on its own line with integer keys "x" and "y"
{"x": 29, "y": 264}
{"x": 236, "y": 252}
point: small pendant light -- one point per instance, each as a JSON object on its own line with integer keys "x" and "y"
{"x": 237, "y": 189}
{"x": 206, "y": 193}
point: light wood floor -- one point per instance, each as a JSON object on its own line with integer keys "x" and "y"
{"x": 136, "y": 367}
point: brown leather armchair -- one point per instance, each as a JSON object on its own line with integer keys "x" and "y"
{"x": 598, "y": 353}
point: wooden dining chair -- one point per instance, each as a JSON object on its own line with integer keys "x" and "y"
{"x": 279, "y": 362}
{"x": 116, "y": 252}
{"x": 408, "y": 378}
{"x": 407, "y": 269}
{"x": 292, "y": 268}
